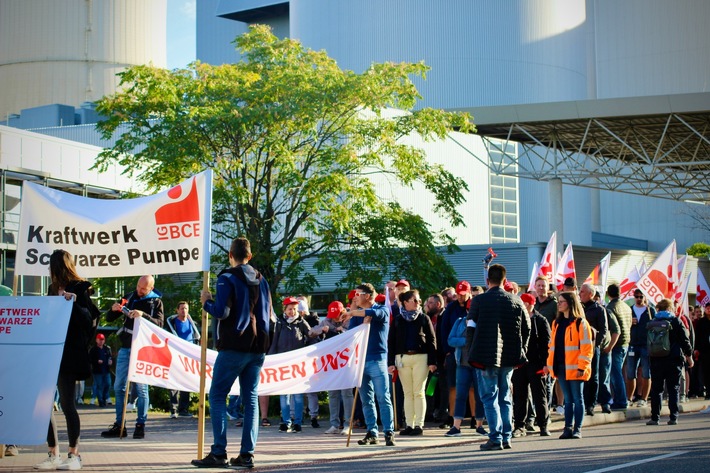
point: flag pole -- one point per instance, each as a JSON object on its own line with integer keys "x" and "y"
{"x": 203, "y": 369}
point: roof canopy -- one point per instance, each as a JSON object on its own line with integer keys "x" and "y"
{"x": 657, "y": 145}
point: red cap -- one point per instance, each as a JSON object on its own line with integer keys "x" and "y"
{"x": 528, "y": 298}
{"x": 507, "y": 287}
{"x": 290, "y": 300}
{"x": 351, "y": 295}
{"x": 100, "y": 336}
{"x": 335, "y": 308}
{"x": 380, "y": 298}
{"x": 463, "y": 287}
{"x": 402, "y": 282}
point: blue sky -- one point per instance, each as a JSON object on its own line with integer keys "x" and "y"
{"x": 181, "y": 33}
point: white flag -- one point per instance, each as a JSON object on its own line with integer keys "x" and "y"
{"x": 660, "y": 281}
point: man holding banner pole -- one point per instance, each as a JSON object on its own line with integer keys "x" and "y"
{"x": 243, "y": 310}
{"x": 143, "y": 302}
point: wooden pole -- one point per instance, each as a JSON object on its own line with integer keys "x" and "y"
{"x": 352, "y": 417}
{"x": 394, "y": 404}
{"x": 203, "y": 369}
{"x": 125, "y": 401}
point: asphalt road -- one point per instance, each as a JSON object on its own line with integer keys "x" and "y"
{"x": 630, "y": 447}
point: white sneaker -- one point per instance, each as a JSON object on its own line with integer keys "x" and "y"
{"x": 73, "y": 462}
{"x": 332, "y": 431}
{"x": 130, "y": 407}
{"x": 11, "y": 451}
{"x": 51, "y": 463}
{"x": 561, "y": 410}
{"x": 344, "y": 431}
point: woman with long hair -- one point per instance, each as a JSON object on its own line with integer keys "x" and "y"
{"x": 75, "y": 365}
{"x": 569, "y": 359}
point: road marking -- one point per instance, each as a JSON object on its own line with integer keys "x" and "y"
{"x": 639, "y": 462}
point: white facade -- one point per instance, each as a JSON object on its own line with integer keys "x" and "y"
{"x": 493, "y": 53}
{"x": 70, "y": 51}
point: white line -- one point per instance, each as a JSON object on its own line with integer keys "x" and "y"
{"x": 639, "y": 462}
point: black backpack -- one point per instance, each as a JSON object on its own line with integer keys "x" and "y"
{"x": 658, "y": 337}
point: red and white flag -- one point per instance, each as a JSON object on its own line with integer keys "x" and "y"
{"x": 660, "y": 281}
{"x": 681, "y": 308}
{"x": 565, "y": 267}
{"x": 547, "y": 263}
{"x": 627, "y": 286}
{"x": 681, "y": 269}
{"x": 600, "y": 274}
{"x": 702, "y": 291}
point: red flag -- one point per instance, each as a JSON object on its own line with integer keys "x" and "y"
{"x": 547, "y": 263}
{"x": 565, "y": 267}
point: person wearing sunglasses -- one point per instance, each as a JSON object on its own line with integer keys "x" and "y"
{"x": 412, "y": 352}
{"x": 637, "y": 356}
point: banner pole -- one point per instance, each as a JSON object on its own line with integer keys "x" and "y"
{"x": 203, "y": 369}
{"x": 125, "y": 401}
{"x": 352, "y": 417}
{"x": 14, "y": 293}
{"x": 394, "y": 402}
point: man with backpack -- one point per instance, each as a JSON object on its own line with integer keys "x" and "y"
{"x": 668, "y": 343}
{"x": 243, "y": 310}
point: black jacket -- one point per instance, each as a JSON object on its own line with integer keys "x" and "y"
{"x": 539, "y": 343}
{"x": 420, "y": 332}
{"x": 75, "y": 361}
{"x": 151, "y": 305}
{"x": 502, "y": 330}
{"x": 596, "y": 316}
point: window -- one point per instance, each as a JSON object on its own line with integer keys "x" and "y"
{"x": 503, "y": 200}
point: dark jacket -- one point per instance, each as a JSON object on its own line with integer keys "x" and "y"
{"x": 596, "y": 316}
{"x": 417, "y": 335}
{"x": 103, "y": 354}
{"x": 702, "y": 336}
{"x": 621, "y": 311}
{"x": 151, "y": 305}
{"x": 547, "y": 308}
{"x": 290, "y": 336}
{"x": 539, "y": 341}
{"x": 84, "y": 317}
{"x": 638, "y": 331}
{"x": 451, "y": 314}
{"x": 502, "y": 330}
{"x": 243, "y": 310}
{"x": 680, "y": 343}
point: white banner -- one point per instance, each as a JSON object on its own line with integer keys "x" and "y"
{"x": 159, "y": 358}
{"x": 32, "y": 333}
{"x": 168, "y": 232}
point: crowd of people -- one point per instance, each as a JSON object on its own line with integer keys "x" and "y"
{"x": 507, "y": 358}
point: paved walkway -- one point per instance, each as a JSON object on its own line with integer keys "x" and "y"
{"x": 170, "y": 444}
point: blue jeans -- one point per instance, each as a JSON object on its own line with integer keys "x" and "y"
{"x": 102, "y": 386}
{"x": 497, "y": 402}
{"x": 574, "y": 400}
{"x": 618, "y": 385}
{"x": 119, "y": 387}
{"x": 337, "y": 398}
{"x": 604, "y": 391}
{"x": 286, "y": 408}
{"x": 229, "y": 366}
{"x": 465, "y": 380}
{"x": 375, "y": 383}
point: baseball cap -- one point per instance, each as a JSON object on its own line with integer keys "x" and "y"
{"x": 380, "y": 298}
{"x": 463, "y": 287}
{"x": 335, "y": 308}
{"x": 507, "y": 287}
{"x": 351, "y": 295}
{"x": 100, "y": 336}
{"x": 570, "y": 282}
{"x": 290, "y": 300}
{"x": 528, "y": 298}
{"x": 402, "y": 282}
{"x": 302, "y": 305}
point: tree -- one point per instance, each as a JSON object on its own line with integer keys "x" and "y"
{"x": 294, "y": 142}
{"x": 699, "y": 250}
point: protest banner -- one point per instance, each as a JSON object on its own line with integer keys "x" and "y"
{"x": 32, "y": 334}
{"x": 167, "y": 232}
{"x": 159, "y": 358}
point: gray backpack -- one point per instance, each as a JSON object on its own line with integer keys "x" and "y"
{"x": 658, "y": 337}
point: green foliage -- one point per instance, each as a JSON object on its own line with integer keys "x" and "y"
{"x": 294, "y": 142}
{"x": 700, "y": 250}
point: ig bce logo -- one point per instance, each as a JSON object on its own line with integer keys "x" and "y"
{"x": 179, "y": 219}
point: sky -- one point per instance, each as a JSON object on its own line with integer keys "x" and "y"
{"x": 181, "y": 33}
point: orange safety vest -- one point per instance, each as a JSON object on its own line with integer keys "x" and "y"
{"x": 579, "y": 349}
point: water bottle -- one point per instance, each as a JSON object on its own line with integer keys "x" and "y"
{"x": 431, "y": 386}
